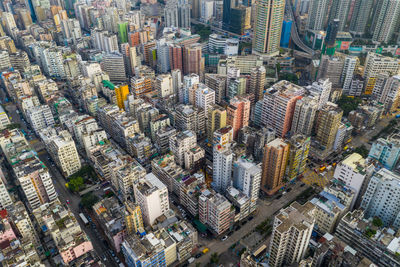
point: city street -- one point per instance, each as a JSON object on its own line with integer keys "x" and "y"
{"x": 266, "y": 209}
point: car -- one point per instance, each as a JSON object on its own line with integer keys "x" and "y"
{"x": 284, "y": 193}
{"x": 288, "y": 190}
{"x": 303, "y": 184}
{"x": 279, "y": 196}
{"x": 198, "y": 255}
{"x": 117, "y": 260}
{"x": 224, "y": 238}
{"x": 104, "y": 258}
{"x": 251, "y": 218}
{"x": 67, "y": 201}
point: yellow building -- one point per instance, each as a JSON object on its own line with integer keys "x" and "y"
{"x": 133, "y": 217}
{"x": 327, "y": 125}
{"x": 216, "y": 120}
{"x": 223, "y": 136}
{"x": 121, "y": 94}
{"x": 299, "y": 146}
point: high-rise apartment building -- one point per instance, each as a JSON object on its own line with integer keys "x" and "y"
{"x": 304, "y": 116}
{"x": 290, "y": 235}
{"x": 354, "y": 172}
{"x": 350, "y": 64}
{"x": 40, "y": 117}
{"x": 177, "y": 14}
{"x": 238, "y": 112}
{"x": 190, "y": 118}
{"x": 299, "y": 146}
{"x": 339, "y": 11}
{"x": 193, "y": 62}
{"x": 331, "y": 67}
{"x": 359, "y": 18}
{"x": 218, "y": 84}
{"x": 274, "y": 164}
{"x": 247, "y": 179}
{"x": 176, "y": 57}
{"x": 386, "y": 91}
{"x": 375, "y": 64}
{"x": 327, "y": 124}
{"x": 216, "y": 119}
{"x": 279, "y": 105}
{"x": 321, "y": 90}
{"x": 385, "y": 20}
{"x": 382, "y": 197}
{"x": 222, "y": 167}
{"x": 204, "y": 98}
{"x": 152, "y": 197}
{"x": 163, "y": 85}
{"x": 180, "y": 144}
{"x": 215, "y": 211}
{"x": 268, "y": 26}
{"x": 114, "y": 66}
{"x": 386, "y": 151}
{"x": 63, "y": 151}
{"x": 5, "y": 199}
{"x": 317, "y": 14}
{"x": 257, "y": 82}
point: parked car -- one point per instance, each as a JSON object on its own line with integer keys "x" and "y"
{"x": 224, "y": 238}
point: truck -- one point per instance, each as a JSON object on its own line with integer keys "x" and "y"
{"x": 397, "y": 116}
{"x": 83, "y": 218}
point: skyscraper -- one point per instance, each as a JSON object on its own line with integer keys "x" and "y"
{"x": 274, "y": 165}
{"x": 299, "y": 146}
{"x": 268, "y": 26}
{"x": 257, "y": 82}
{"x": 238, "y": 114}
{"x": 382, "y": 197}
{"x": 317, "y": 14}
{"x": 359, "y": 19}
{"x": 385, "y": 20}
{"x": 222, "y": 167}
{"x": 339, "y": 11}
{"x": 377, "y": 64}
{"x": 247, "y": 178}
{"x": 330, "y": 39}
{"x": 193, "y": 60}
{"x": 304, "y": 116}
{"x": 278, "y": 106}
{"x": 327, "y": 124}
{"x": 291, "y": 234}
{"x": 226, "y": 14}
{"x": 216, "y": 120}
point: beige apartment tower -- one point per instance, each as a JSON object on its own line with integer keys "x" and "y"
{"x": 327, "y": 125}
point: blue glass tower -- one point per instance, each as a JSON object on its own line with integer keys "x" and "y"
{"x": 285, "y": 35}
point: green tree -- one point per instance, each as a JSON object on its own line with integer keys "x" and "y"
{"x": 348, "y": 104}
{"x": 76, "y": 184}
{"x": 214, "y": 258}
{"x": 88, "y": 200}
{"x": 362, "y": 150}
{"x": 377, "y": 222}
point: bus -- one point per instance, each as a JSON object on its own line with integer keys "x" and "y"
{"x": 83, "y": 218}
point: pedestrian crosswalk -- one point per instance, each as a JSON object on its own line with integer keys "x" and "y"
{"x": 312, "y": 178}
